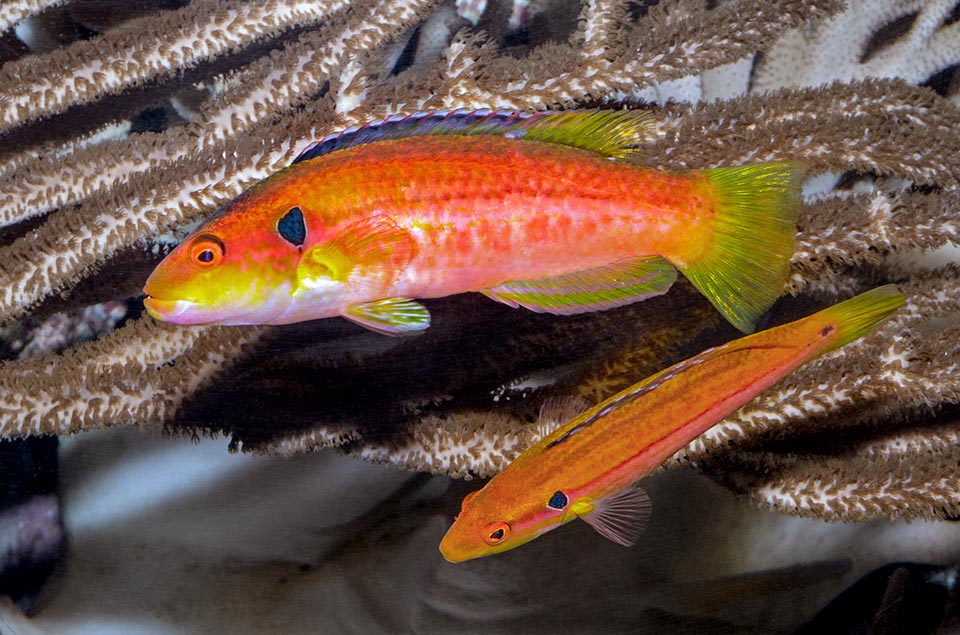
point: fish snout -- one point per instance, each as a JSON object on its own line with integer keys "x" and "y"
{"x": 167, "y": 310}
{"x": 450, "y": 549}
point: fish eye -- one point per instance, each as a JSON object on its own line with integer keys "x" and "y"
{"x": 206, "y": 251}
{"x": 495, "y": 534}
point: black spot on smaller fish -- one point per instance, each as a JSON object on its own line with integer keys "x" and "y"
{"x": 827, "y": 330}
{"x": 292, "y": 228}
{"x": 557, "y": 501}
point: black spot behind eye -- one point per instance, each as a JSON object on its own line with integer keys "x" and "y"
{"x": 292, "y": 228}
{"x": 557, "y": 501}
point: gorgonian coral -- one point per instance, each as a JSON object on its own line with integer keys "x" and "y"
{"x": 90, "y": 201}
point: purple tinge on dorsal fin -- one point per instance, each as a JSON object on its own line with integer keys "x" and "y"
{"x": 609, "y": 133}
{"x": 431, "y": 122}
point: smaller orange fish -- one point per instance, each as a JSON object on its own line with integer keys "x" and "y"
{"x": 588, "y": 467}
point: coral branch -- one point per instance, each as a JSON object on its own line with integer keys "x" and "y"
{"x": 109, "y": 200}
{"x": 600, "y": 20}
{"x": 832, "y": 128}
{"x": 14, "y": 11}
{"x": 844, "y": 47}
{"x": 662, "y": 49}
{"x": 262, "y": 91}
{"x": 127, "y": 378}
{"x": 863, "y": 228}
{"x": 39, "y": 86}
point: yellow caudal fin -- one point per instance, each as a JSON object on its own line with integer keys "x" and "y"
{"x": 754, "y": 231}
{"x": 859, "y": 315}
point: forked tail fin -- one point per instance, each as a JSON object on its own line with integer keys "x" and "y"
{"x": 743, "y": 271}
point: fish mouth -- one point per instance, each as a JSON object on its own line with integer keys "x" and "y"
{"x": 452, "y": 552}
{"x": 449, "y": 555}
{"x": 169, "y": 310}
{"x": 190, "y": 313}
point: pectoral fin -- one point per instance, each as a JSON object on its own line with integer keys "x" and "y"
{"x": 375, "y": 244}
{"x": 323, "y": 264}
{"x": 606, "y": 287}
{"x": 391, "y": 316}
{"x": 620, "y": 517}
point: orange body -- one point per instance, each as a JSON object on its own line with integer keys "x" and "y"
{"x": 485, "y": 210}
{"x": 433, "y": 215}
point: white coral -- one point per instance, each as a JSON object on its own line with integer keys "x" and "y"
{"x": 843, "y": 48}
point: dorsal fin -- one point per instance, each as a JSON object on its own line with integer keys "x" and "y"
{"x": 611, "y": 133}
{"x": 556, "y": 411}
{"x": 631, "y": 394}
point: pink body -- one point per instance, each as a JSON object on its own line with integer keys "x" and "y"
{"x": 431, "y": 216}
{"x": 526, "y": 215}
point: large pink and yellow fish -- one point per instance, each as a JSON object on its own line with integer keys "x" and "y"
{"x": 545, "y": 211}
{"x": 587, "y": 468}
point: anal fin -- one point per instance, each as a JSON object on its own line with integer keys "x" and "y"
{"x": 619, "y": 283}
{"x": 621, "y": 516}
{"x": 390, "y": 316}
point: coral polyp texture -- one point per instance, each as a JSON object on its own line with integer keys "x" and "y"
{"x": 112, "y": 148}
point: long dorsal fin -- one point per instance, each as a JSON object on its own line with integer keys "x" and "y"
{"x": 611, "y": 133}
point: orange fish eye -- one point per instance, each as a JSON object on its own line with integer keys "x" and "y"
{"x": 496, "y": 533}
{"x": 206, "y": 251}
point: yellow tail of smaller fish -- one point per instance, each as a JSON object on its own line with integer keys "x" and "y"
{"x": 857, "y": 316}
{"x": 743, "y": 270}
